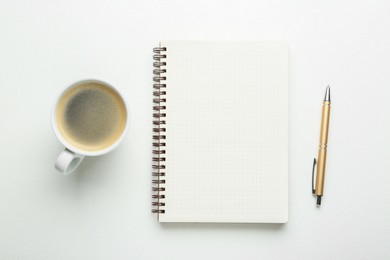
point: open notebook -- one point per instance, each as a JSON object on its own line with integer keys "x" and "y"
{"x": 220, "y": 132}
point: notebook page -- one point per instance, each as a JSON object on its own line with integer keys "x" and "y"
{"x": 227, "y": 132}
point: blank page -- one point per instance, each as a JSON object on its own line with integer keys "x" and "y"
{"x": 226, "y": 132}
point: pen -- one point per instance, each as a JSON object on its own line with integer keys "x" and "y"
{"x": 318, "y": 191}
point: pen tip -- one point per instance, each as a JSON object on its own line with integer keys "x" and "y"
{"x": 318, "y": 201}
{"x": 327, "y": 94}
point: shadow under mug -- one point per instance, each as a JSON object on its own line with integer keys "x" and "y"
{"x": 72, "y": 156}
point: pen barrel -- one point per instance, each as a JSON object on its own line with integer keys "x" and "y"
{"x": 319, "y": 190}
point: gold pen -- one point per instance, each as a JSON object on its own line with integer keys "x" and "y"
{"x": 319, "y": 187}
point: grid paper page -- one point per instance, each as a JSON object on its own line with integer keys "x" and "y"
{"x": 227, "y": 132}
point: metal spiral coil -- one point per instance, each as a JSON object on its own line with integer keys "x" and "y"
{"x": 159, "y": 129}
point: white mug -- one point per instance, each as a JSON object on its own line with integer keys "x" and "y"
{"x": 75, "y": 151}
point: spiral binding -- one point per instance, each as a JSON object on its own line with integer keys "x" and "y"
{"x": 159, "y": 137}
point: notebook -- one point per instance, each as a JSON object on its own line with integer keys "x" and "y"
{"x": 220, "y": 132}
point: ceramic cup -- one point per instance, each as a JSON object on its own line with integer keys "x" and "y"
{"x": 90, "y": 118}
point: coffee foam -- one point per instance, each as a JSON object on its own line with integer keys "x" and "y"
{"x": 91, "y": 116}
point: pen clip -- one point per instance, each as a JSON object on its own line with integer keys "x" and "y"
{"x": 312, "y": 176}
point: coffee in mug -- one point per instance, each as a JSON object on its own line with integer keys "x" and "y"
{"x": 89, "y": 118}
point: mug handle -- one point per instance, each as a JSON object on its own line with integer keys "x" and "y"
{"x": 68, "y": 161}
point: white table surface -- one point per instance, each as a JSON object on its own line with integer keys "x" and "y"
{"x": 103, "y": 211}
